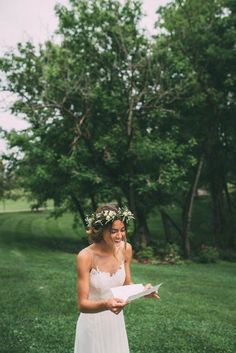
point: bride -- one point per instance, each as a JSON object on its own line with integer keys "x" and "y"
{"x": 100, "y": 266}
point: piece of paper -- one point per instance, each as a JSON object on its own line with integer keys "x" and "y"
{"x": 133, "y": 291}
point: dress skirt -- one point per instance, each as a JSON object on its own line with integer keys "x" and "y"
{"x": 102, "y": 332}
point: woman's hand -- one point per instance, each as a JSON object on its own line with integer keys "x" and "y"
{"x": 115, "y": 305}
{"x": 151, "y": 295}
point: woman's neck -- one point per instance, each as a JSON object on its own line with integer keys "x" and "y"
{"x": 105, "y": 248}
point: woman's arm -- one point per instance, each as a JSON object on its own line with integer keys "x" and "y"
{"x": 128, "y": 258}
{"x": 83, "y": 265}
{"x": 128, "y": 280}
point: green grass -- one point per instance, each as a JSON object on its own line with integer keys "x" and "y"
{"x": 20, "y": 204}
{"x": 11, "y": 205}
{"x": 196, "y": 312}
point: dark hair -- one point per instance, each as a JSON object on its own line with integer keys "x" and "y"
{"x": 95, "y": 233}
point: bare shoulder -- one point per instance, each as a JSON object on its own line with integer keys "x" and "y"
{"x": 128, "y": 247}
{"x": 128, "y": 251}
{"x": 84, "y": 257}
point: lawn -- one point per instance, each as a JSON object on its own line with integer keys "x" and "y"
{"x": 196, "y": 312}
{"x": 22, "y": 203}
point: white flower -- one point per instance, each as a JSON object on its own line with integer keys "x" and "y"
{"x": 107, "y": 216}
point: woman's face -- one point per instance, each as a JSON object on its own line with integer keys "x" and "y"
{"x": 117, "y": 233}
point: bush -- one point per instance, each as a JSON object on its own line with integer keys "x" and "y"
{"x": 228, "y": 255}
{"x": 145, "y": 254}
{"x": 170, "y": 253}
{"x": 208, "y": 254}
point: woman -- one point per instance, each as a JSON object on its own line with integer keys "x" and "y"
{"x": 103, "y": 265}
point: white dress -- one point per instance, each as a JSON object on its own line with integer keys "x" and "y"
{"x": 102, "y": 332}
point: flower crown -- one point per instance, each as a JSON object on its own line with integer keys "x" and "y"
{"x": 109, "y": 216}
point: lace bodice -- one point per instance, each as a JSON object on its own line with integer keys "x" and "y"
{"x": 101, "y": 281}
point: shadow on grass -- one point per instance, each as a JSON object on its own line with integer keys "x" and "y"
{"x": 10, "y": 343}
{"x": 26, "y": 241}
{"x": 17, "y": 232}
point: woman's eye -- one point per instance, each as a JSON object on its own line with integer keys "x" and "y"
{"x": 115, "y": 231}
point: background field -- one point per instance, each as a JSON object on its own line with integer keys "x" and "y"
{"x": 39, "y": 223}
{"x": 196, "y": 312}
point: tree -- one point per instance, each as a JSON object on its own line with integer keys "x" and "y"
{"x": 97, "y": 119}
{"x": 117, "y": 116}
{"x": 8, "y": 182}
{"x": 196, "y": 49}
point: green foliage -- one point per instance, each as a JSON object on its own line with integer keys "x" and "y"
{"x": 167, "y": 254}
{"x": 195, "y": 49}
{"x": 208, "y": 254}
{"x": 170, "y": 253}
{"x": 90, "y": 111}
{"x": 145, "y": 254}
{"x": 227, "y": 255}
{"x": 117, "y": 115}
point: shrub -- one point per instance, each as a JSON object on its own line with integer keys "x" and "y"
{"x": 208, "y": 254}
{"x": 145, "y": 254}
{"x": 228, "y": 255}
{"x": 170, "y": 253}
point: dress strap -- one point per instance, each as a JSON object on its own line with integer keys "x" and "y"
{"x": 91, "y": 255}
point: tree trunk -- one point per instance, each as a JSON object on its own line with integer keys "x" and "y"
{"x": 187, "y": 211}
{"x": 93, "y": 201}
{"x": 80, "y": 209}
{"x": 167, "y": 221}
{"x": 231, "y": 241}
{"x": 216, "y": 187}
{"x": 166, "y": 226}
{"x": 119, "y": 201}
{"x": 141, "y": 233}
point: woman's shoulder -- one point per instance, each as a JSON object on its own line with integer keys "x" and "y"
{"x": 127, "y": 251}
{"x": 127, "y": 247}
{"x": 85, "y": 255}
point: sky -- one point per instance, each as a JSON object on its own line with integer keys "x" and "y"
{"x": 35, "y": 20}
